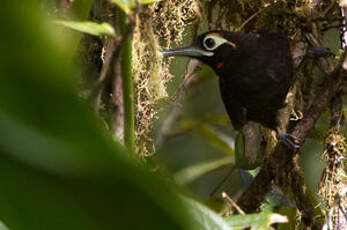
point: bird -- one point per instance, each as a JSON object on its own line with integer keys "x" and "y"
{"x": 255, "y": 73}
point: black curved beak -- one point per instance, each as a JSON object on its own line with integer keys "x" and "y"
{"x": 188, "y": 51}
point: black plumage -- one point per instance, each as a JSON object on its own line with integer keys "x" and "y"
{"x": 255, "y": 74}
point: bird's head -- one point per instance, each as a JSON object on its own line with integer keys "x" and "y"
{"x": 212, "y": 48}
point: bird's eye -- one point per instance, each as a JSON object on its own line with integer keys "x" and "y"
{"x": 212, "y": 42}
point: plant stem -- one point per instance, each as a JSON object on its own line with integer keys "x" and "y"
{"x": 128, "y": 88}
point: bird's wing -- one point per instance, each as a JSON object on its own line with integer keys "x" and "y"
{"x": 271, "y": 54}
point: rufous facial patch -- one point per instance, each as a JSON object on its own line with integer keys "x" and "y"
{"x": 219, "y": 65}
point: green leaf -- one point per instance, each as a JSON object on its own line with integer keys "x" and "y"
{"x": 259, "y": 221}
{"x": 205, "y": 131}
{"x": 204, "y": 218}
{"x": 191, "y": 173}
{"x": 2, "y": 226}
{"x": 80, "y": 11}
{"x": 290, "y": 212}
{"x": 127, "y": 5}
{"x": 93, "y": 28}
{"x": 60, "y": 169}
{"x": 217, "y": 119}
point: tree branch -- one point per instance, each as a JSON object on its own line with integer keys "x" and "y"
{"x": 292, "y": 179}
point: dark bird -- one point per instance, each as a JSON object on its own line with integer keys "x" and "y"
{"x": 255, "y": 73}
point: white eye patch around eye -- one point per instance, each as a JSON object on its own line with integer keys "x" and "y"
{"x": 212, "y": 42}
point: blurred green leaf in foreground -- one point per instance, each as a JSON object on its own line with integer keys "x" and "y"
{"x": 191, "y": 173}
{"x": 2, "y": 226}
{"x": 93, "y": 28}
{"x": 260, "y": 221}
{"x": 59, "y": 169}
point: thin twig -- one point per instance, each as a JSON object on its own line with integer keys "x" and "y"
{"x": 233, "y": 203}
{"x": 109, "y": 48}
{"x": 331, "y": 6}
{"x": 109, "y": 51}
{"x": 249, "y": 19}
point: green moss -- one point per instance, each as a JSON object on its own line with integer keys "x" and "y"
{"x": 163, "y": 21}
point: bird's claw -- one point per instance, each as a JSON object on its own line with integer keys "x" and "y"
{"x": 319, "y": 52}
{"x": 289, "y": 140}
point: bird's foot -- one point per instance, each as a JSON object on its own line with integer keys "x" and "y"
{"x": 319, "y": 52}
{"x": 289, "y": 140}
